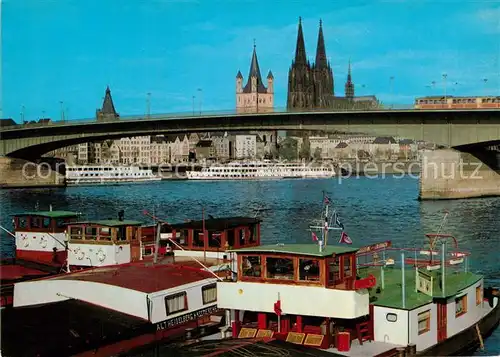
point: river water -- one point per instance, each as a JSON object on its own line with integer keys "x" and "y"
{"x": 372, "y": 209}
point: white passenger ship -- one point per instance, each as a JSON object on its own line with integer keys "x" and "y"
{"x": 261, "y": 170}
{"x": 107, "y": 174}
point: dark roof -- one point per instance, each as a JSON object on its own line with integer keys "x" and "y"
{"x": 254, "y": 72}
{"x": 270, "y": 75}
{"x": 217, "y": 223}
{"x": 321, "y": 60}
{"x": 64, "y": 329}
{"x": 107, "y": 106}
{"x": 341, "y": 145}
{"x": 406, "y": 141}
{"x": 384, "y": 140}
{"x": 7, "y": 122}
{"x": 239, "y": 75}
{"x": 229, "y": 348}
{"x": 204, "y": 144}
{"x": 300, "y": 47}
{"x": 44, "y": 120}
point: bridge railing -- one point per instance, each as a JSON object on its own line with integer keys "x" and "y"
{"x": 207, "y": 114}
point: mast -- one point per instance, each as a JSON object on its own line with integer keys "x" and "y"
{"x": 204, "y": 235}
{"x": 325, "y": 223}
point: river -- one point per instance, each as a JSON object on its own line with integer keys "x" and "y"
{"x": 372, "y": 209}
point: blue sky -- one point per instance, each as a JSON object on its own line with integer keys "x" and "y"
{"x": 69, "y": 50}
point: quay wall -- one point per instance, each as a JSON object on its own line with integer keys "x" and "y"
{"x": 17, "y": 173}
{"x": 451, "y": 174}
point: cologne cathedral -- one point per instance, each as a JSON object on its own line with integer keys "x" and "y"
{"x": 311, "y": 86}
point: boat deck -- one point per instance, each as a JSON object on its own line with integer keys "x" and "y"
{"x": 368, "y": 348}
{"x": 16, "y": 272}
{"x": 63, "y": 328}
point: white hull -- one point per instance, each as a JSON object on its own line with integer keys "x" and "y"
{"x": 98, "y": 175}
{"x": 106, "y": 181}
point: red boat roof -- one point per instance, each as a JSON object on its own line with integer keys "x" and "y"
{"x": 142, "y": 277}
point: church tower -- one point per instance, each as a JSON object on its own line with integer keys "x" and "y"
{"x": 349, "y": 85}
{"x": 323, "y": 75}
{"x": 254, "y": 96}
{"x": 107, "y": 112}
{"x": 300, "y": 79}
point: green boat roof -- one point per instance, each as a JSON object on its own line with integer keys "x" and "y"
{"x": 391, "y": 295}
{"x": 298, "y": 249}
{"x": 109, "y": 223}
{"x": 51, "y": 214}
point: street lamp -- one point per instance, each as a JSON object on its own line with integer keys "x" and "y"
{"x": 200, "y": 98}
{"x": 148, "y": 104}
{"x": 194, "y": 97}
{"x": 62, "y": 110}
{"x": 485, "y": 87}
{"x": 22, "y": 114}
{"x": 445, "y": 97}
{"x": 391, "y": 79}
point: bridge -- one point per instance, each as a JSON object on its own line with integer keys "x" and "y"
{"x": 451, "y": 128}
{"x": 468, "y": 135}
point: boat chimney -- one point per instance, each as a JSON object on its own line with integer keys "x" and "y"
{"x": 121, "y": 215}
{"x": 320, "y": 246}
{"x": 50, "y": 208}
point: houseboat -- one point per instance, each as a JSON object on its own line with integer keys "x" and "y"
{"x": 261, "y": 170}
{"x": 41, "y": 248}
{"x": 107, "y": 174}
{"x": 371, "y": 301}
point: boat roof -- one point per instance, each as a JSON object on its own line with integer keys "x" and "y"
{"x": 109, "y": 223}
{"x": 391, "y": 295}
{"x": 50, "y": 214}
{"x": 63, "y": 328}
{"x": 143, "y": 277}
{"x": 217, "y": 223}
{"x": 229, "y": 348}
{"x": 298, "y": 249}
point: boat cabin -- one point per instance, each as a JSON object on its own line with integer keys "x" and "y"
{"x": 209, "y": 238}
{"x": 104, "y": 242}
{"x": 40, "y": 235}
{"x": 295, "y": 288}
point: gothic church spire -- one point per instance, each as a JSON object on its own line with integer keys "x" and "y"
{"x": 300, "y": 48}
{"x": 321, "y": 60}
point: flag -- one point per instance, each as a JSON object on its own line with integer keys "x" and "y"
{"x": 337, "y": 222}
{"x": 327, "y": 200}
{"x": 344, "y": 238}
{"x": 314, "y": 237}
{"x": 277, "y": 307}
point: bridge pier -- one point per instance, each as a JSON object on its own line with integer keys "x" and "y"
{"x": 17, "y": 173}
{"x": 451, "y": 174}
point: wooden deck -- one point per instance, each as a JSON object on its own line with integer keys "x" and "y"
{"x": 368, "y": 348}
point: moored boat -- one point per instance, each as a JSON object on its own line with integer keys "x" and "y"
{"x": 373, "y": 301}
{"x": 107, "y": 174}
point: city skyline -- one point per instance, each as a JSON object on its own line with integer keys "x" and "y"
{"x": 69, "y": 53}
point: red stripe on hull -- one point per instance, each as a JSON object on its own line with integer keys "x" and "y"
{"x": 56, "y": 259}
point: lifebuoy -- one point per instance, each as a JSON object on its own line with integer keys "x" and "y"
{"x": 101, "y": 255}
{"x": 43, "y": 242}
{"x": 77, "y": 252}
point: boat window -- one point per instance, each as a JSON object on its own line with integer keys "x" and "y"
{"x": 333, "y": 270}
{"x": 424, "y": 322}
{"x": 391, "y": 317}
{"x": 198, "y": 238}
{"x": 181, "y": 237}
{"x": 209, "y": 293}
{"x": 121, "y": 234}
{"x": 105, "y": 233}
{"x": 214, "y": 239}
{"x": 253, "y": 233}
{"x": 251, "y": 266}
{"x": 75, "y": 233}
{"x": 91, "y": 233}
{"x": 21, "y": 222}
{"x": 242, "y": 237}
{"x": 35, "y": 222}
{"x": 280, "y": 268}
{"x": 176, "y": 303}
{"x": 46, "y": 222}
{"x": 230, "y": 238}
{"x": 479, "y": 295}
{"x": 133, "y": 232}
{"x": 60, "y": 222}
{"x": 347, "y": 266}
{"x": 309, "y": 269}
{"x": 460, "y": 305}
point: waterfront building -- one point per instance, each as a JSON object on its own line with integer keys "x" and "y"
{"x": 245, "y": 146}
{"x": 312, "y": 86}
{"x": 254, "y": 96}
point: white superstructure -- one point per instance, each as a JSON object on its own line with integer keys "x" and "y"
{"x": 101, "y": 174}
{"x": 261, "y": 170}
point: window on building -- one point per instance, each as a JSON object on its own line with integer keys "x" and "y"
{"x": 309, "y": 269}
{"x": 251, "y": 266}
{"x": 460, "y": 305}
{"x": 176, "y": 303}
{"x": 479, "y": 295}
{"x": 209, "y": 293}
{"x": 424, "y": 322}
{"x": 280, "y": 268}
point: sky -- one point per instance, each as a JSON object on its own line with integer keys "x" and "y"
{"x": 69, "y": 50}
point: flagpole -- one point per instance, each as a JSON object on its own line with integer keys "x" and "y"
{"x": 279, "y": 315}
{"x": 205, "y": 241}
